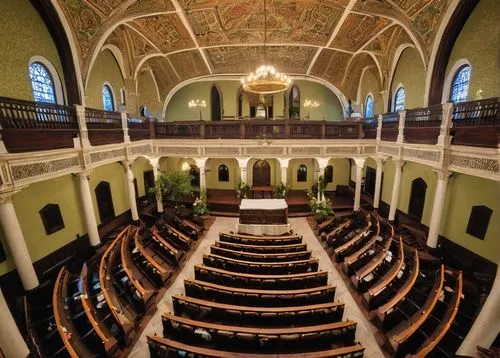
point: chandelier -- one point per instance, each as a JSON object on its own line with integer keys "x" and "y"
{"x": 266, "y": 79}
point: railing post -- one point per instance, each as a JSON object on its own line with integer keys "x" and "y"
{"x": 401, "y": 128}
{"x": 323, "y": 129}
{"x": 287, "y": 130}
{"x": 446, "y": 123}
{"x": 379, "y": 127}
{"x": 361, "y": 133}
{"x": 202, "y": 129}
{"x": 152, "y": 133}
{"x": 126, "y": 137}
{"x": 242, "y": 130}
{"x": 82, "y": 126}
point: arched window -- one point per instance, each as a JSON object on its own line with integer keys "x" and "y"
{"x": 329, "y": 174}
{"x": 417, "y": 198}
{"x": 369, "y": 107}
{"x": 294, "y": 103}
{"x": 223, "y": 172}
{"x": 399, "y": 99}
{"x": 42, "y": 83}
{"x": 107, "y": 98}
{"x": 302, "y": 173}
{"x": 460, "y": 85}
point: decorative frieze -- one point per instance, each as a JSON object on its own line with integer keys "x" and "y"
{"x": 369, "y": 150}
{"x": 425, "y": 155}
{"x": 144, "y": 149}
{"x": 219, "y": 151}
{"x": 342, "y": 150}
{"x": 305, "y": 150}
{"x": 26, "y": 171}
{"x": 261, "y": 150}
{"x": 394, "y": 151}
{"x": 173, "y": 151}
{"x": 490, "y": 165}
{"x": 115, "y": 154}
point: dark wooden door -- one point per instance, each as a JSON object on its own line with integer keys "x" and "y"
{"x": 370, "y": 178}
{"x": 149, "y": 181}
{"x": 261, "y": 173}
{"x": 104, "y": 202}
{"x": 417, "y": 198}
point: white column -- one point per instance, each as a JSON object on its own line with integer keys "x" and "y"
{"x": 401, "y": 127}
{"x": 446, "y": 122}
{"x": 378, "y": 182}
{"x": 11, "y": 340}
{"x": 15, "y": 241}
{"x": 131, "y": 191}
{"x": 438, "y": 207}
{"x": 284, "y": 169}
{"x": 126, "y": 137}
{"x": 159, "y": 198}
{"x": 88, "y": 210}
{"x": 487, "y": 324}
{"x": 200, "y": 163}
{"x": 359, "y": 177}
{"x": 398, "y": 163}
{"x": 379, "y": 127}
{"x": 82, "y": 126}
{"x": 243, "y": 164}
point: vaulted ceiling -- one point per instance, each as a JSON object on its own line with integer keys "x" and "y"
{"x": 334, "y": 40}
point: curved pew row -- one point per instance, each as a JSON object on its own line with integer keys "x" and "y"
{"x": 344, "y": 227}
{"x": 249, "y": 236}
{"x": 260, "y": 240}
{"x": 162, "y": 268}
{"x": 160, "y": 347}
{"x": 347, "y": 234}
{"x": 264, "y": 268}
{"x": 398, "y": 339}
{"x": 229, "y": 278}
{"x": 356, "y": 241}
{"x": 262, "y": 249}
{"x": 116, "y": 296}
{"x": 258, "y": 339}
{"x": 168, "y": 233}
{"x": 215, "y": 312}
{"x": 76, "y": 332}
{"x": 253, "y": 297}
{"x": 257, "y": 257}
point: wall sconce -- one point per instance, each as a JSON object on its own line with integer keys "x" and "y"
{"x": 197, "y": 104}
{"x": 185, "y": 166}
{"x": 310, "y": 104}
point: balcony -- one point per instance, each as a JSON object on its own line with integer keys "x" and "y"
{"x": 29, "y": 126}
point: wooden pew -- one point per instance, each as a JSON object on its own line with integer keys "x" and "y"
{"x": 264, "y": 298}
{"x": 262, "y": 249}
{"x": 269, "y": 268}
{"x": 340, "y": 251}
{"x": 258, "y": 316}
{"x": 124, "y": 314}
{"x": 169, "y": 233}
{"x": 167, "y": 249}
{"x": 65, "y": 326}
{"x": 325, "y": 225}
{"x": 229, "y": 278}
{"x": 372, "y": 264}
{"x": 189, "y": 227}
{"x": 397, "y": 337}
{"x": 258, "y": 257}
{"x": 343, "y": 226}
{"x": 157, "y": 261}
{"x": 249, "y": 236}
{"x": 257, "y": 338}
{"x": 348, "y": 266}
{"x": 164, "y": 347}
{"x": 141, "y": 282}
{"x": 433, "y": 340}
{"x": 386, "y": 279}
{"x": 261, "y": 240}
{"x": 108, "y": 340}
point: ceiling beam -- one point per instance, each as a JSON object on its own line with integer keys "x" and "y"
{"x": 189, "y": 29}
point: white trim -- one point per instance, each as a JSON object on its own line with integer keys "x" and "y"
{"x": 435, "y": 48}
{"x": 56, "y": 79}
{"x": 237, "y": 76}
{"x": 451, "y": 75}
{"x": 117, "y": 54}
{"x": 115, "y": 107}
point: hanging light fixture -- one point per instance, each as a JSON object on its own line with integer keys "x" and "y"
{"x": 266, "y": 79}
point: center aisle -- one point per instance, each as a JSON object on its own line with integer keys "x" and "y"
{"x": 364, "y": 331}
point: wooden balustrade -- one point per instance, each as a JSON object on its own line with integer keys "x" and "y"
{"x": 187, "y": 129}
{"x": 422, "y": 125}
{"x": 390, "y": 125}
{"x": 140, "y": 128}
{"x": 370, "y": 128}
{"x": 31, "y": 126}
{"x": 476, "y": 123}
{"x": 103, "y": 127}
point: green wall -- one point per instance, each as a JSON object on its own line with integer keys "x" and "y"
{"x": 148, "y": 94}
{"x": 340, "y": 173}
{"x": 22, "y": 35}
{"x": 479, "y": 42}
{"x": 369, "y": 85}
{"x": 105, "y": 69}
{"x": 212, "y": 173}
{"x": 410, "y": 73}
{"x": 178, "y": 110}
{"x": 140, "y": 166}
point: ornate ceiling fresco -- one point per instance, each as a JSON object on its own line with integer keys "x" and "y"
{"x": 334, "y": 40}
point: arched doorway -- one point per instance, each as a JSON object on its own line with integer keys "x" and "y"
{"x": 417, "y": 198}
{"x": 216, "y": 104}
{"x": 104, "y": 202}
{"x": 261, "y": 173}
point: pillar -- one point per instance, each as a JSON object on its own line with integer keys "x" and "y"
{"x": 438, "y": 207}
{"x": 88, "y": 210}
{"x": 398, "y": 163}
{"x": 124, "y": 117}
{"x": 15, "y": 241}
{"x": 11, "y": 340}
{"x": 200, "y": 163}
{"x": 243, "y": 164}
{"x": 82, "y": 126}
{"x": 284, "y": 169}
{"x": 159, "y": 198}
{"x": 378, "y": 182}
{"x": 131, "y": 191}
{"x": 401, "y": 127}
{"x": 379, "y": 127}
{"x": 359, "y": 177}
{"x": 446, "y": 122}
{"x": 487, "y": 324}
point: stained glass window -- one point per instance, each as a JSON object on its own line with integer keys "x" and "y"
{"x": 399, "y": 99}
{"x": 369, "y": 107}
{"x": 42, "y": 83}
{"x": 107, "y": 99}
{"x": 460, "y": 85}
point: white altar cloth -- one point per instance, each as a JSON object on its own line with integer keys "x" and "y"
{"x": 263, "y": 204}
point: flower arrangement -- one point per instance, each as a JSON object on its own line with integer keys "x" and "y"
{"x": 200, "y": 207}
{"x": 280, "y": 191}
{"x": 242, "y": 191}
{"x": 321, "y": 207}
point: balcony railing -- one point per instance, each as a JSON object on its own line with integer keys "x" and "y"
{"x": 30, "y": 126}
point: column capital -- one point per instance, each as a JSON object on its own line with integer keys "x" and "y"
{"x": 359, "y": 162}
{"x": 380, "y": 159}
{"x": 200, "y": 162}
{"x": 85, "y": 173}
{"x": 154, "y": 162}
{"x": 322, "y": 162}
{"x": 442, "y": 174}
{"x": 399, "y": 163}
{"x": 6, "y": 196}
{"x": 243, "y": 162}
